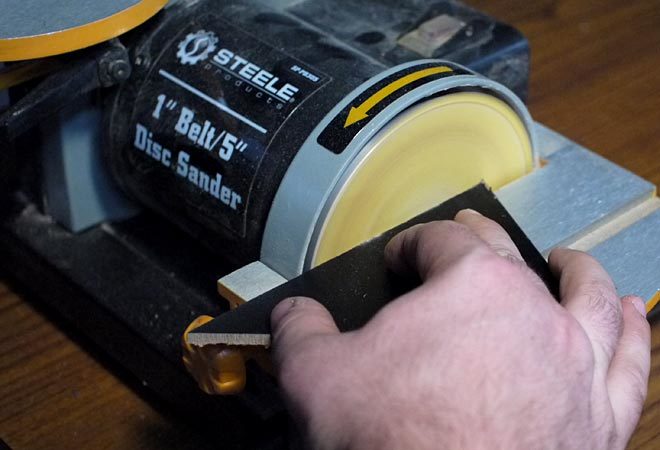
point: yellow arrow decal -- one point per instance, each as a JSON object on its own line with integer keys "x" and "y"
{"x": 359, "y": 112}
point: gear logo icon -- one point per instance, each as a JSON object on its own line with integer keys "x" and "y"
{"x": 196, "y": 47}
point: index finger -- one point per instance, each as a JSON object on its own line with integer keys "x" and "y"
{"x": 429, "y": 249}
{"x": 491, "y": 233}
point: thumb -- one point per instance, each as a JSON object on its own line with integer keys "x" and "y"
{"x": 628, "y": 375}
{"x": 294, "y": 321}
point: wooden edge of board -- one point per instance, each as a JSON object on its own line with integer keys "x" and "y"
{"x": 616, "y": 224}
{"x": 233, "y": 339}
{"x": 248, "y": 282}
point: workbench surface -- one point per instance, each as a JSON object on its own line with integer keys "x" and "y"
{"x": 595, "y": 78}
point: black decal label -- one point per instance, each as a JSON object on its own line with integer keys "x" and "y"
{"x": 352, "y": 119}
{"x": 207, "y": 113}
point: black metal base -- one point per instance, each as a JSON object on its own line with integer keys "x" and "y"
{"x": 132, "y": 288}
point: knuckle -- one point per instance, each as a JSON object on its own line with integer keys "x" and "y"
{"x": 477, "y": 265}
{"x": 506, "y": 253}
{"x": 496, "y": 264}
{"x": 488, "y": 270}
{"x": 502, "y": 269}
{"x": 601, "y": 295}
{"x": 603, "y": 300}
{"x": 519, "y": 268}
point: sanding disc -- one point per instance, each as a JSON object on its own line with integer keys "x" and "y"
{"x": 428, "y": 154}
{"x": 36, "y": 28}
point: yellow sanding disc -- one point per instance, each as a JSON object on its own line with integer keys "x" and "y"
{"x": 427, "y": 155}
{"x": 37, "y": 28}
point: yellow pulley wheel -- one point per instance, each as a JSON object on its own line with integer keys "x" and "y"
{"x": 428, "y": 154}
{"x": 37, "y": 28}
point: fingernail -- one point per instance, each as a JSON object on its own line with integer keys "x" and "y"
{"x": 471, "y": 211}
{"x": 639, "y": 305}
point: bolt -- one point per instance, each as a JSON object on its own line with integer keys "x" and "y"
{"x": 119, "y": 70}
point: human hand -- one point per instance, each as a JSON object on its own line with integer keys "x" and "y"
{"x": 479, "y": 356}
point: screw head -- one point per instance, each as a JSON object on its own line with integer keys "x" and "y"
{"x": 120, "y": 70}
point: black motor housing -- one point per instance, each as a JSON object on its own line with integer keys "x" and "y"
{"x": 223, "y": 94}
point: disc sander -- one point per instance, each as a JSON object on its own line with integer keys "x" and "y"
{"x": 262, "y": 155}
{"x": 37, "y": 28}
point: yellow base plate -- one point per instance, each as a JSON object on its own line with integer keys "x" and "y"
{"x": 425, "y": 156}
{"x": 76, "y": 38}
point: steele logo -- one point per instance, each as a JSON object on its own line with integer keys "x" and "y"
{"x": 196, "y": 47}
